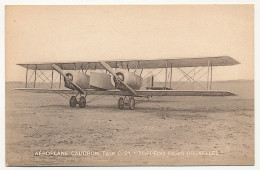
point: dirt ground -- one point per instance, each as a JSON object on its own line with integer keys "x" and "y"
{"x": 42, "y": 130}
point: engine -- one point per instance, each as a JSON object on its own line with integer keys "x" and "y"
{"x": 81, "y": 79}
{"x": 132, "y": 80}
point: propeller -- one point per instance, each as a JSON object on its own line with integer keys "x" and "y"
{"x": 110, "y": 70}
{"x": 59, "y": 70}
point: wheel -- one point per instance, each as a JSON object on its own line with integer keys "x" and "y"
{"x": 82, "y": 102}
{"x": 73, "y": 101}
{"x": 121, "y": 103}
{"x": 131, "y": 103}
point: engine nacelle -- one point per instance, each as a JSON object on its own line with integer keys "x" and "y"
{"x": 81, "y": 79}
{"x": 132, "y": 80}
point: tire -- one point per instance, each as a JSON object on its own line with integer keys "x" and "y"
{"x": 121, "y": 103}
{"x": 73, "y": 101}
{"x": 82, "y": 102}
{"x": 131, "y": 103}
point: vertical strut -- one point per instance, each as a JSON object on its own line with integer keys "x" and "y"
{"x": 60, "y": 81}
{"x": 51, "y": 78}
{"x": 137, "y": 66}
{"x": 152, "y": 81}
{"x": 86, "y": 69}
{"x": 26, "y": 75}
{"x": 171, "y": 78}
{"x": 210, "y": 77}
{"x": 194, "y": 73}
{"x": 82, "y": 68}
{"x": 141, "y": 71}
{"x": 75, "y": 66}
{"x": 60, "y": 78}
{"x": 166, "y": 70}
{"x": 35, "y": 72}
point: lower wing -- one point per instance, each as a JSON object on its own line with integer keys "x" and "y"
{"x": 139, "y": 93}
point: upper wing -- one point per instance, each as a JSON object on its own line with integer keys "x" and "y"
{"x": 139, "y": 93}
{"x": 132, "y": 64}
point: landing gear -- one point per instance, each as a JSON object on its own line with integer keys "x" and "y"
{"x": 73, "y": 101}
{"x": 121, "y": 103}
{"x": 82, "y": 101}
{"x": 126, "y": 101}
{"x": 131, "y": 103}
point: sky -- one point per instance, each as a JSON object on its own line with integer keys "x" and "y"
{"x": 87, "y": 33}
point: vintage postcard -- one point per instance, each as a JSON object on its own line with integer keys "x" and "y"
{"x": 129, "y": 85}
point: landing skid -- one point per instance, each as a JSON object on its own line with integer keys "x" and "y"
{"x": 126, "y": 101}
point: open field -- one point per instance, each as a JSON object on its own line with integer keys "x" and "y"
{"x": 174, "y": 130}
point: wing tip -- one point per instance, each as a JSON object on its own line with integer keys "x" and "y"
{"x": 232, "y": 94}
{"x": 234, "y": 61}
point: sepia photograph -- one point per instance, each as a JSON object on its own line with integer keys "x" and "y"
{"x": 129, "y": 85}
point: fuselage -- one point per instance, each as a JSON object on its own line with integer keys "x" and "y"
{"x": 103, "y": 81}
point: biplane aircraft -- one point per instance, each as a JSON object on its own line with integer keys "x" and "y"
{"x": 120, "y": 78}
